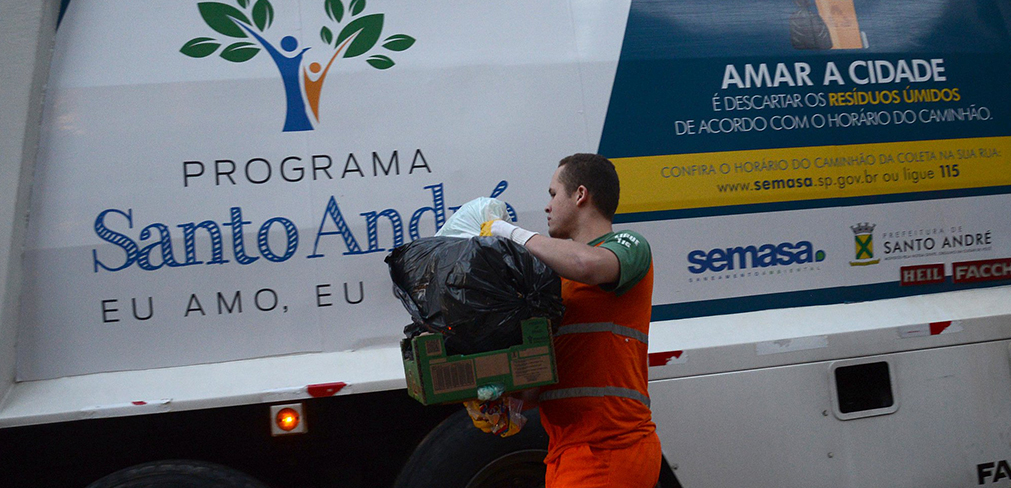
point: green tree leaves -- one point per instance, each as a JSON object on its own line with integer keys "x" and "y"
{"x": 380, "y": 62}
{"x": 357, "y": 6}
{"x": 200, "y": 47}
{"x": 263, "y": 14}
{"x": 226, "y": 19}
{"x": 334, "y": 10}
{"x": 398, "y": 42}
{"x": 361, "y": 34}
{"x": 222, "y": 18}
{"x": 240, "y": 51}
{"x": 366, "y": 31}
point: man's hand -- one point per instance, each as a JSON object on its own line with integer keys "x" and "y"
{"x": 502, "y": 228}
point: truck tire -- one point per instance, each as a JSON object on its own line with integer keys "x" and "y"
{"x": 178, "y": 474}
{"x": 458, "y": 455}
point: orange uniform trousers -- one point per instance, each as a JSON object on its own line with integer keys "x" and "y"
{"x": 582, "y": 466}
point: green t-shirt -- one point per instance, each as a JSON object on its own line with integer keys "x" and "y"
{"x": 634, "y": 258}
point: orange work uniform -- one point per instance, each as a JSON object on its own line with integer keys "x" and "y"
{"x": 597, "y": 416}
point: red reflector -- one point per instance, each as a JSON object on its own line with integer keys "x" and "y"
{"x": 938, "y": 327}
{"x": 325, "y": 389}
{"x": 661, "y": 358}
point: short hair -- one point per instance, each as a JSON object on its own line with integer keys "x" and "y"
{"x": 597, "y": 174}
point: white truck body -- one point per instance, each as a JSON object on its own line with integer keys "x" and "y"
{"x": 203, "y": 224}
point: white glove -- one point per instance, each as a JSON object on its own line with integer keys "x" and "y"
{"x": 518, "y": 235}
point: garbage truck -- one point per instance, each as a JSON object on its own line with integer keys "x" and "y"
{"x": 197, "y": 197}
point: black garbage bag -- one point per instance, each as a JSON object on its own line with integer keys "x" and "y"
{"x": 475, "y": 291}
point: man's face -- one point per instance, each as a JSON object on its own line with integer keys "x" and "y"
{"x": 561, "y": 208}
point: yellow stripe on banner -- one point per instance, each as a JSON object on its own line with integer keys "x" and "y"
{"x": 717, "y": 179}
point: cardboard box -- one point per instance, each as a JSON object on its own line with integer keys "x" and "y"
{"x": 433, "y": 377}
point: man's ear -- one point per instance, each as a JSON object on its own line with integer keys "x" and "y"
{"x": 582, "y": 196}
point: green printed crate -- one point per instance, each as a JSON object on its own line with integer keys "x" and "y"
{"x": 433, "y": 377}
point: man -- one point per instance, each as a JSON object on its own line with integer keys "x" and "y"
{"x": 597, "y": 416}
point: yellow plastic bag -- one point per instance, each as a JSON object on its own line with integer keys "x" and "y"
{"x": 501, "y": 417}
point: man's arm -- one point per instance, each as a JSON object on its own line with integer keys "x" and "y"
{"x": 570, "y": 259}
{"x": 576, "y": 261}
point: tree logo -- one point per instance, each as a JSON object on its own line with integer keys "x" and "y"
{"x": 301, "y": 84}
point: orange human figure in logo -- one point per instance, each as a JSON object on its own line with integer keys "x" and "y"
{"x": 313, "y": 88}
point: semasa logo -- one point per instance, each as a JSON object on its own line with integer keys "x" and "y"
{"x": 248, "y": 24}
{"x": 744, "y": 257}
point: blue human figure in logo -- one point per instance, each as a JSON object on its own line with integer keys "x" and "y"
{"x": 296, "y": 119}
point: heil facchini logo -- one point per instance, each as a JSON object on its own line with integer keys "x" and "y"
{"x": 248, "y": 23}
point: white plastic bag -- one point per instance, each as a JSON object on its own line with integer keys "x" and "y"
{"x": 467, "y": 220}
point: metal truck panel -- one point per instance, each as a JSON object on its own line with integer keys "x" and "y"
{"x": 776, "y": 427}
{"x": 203, "y": 199}
{"x": 770, "y": 338}
{"x": 261, "y": 380}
